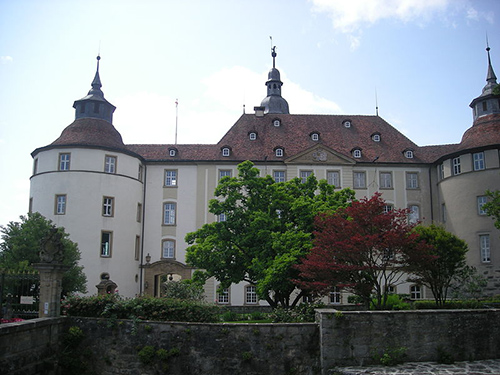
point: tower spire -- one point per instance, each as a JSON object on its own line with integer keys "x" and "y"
{"x": 490, "y": 77}
{"x": 274, "y": 102}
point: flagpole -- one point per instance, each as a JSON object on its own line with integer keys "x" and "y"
{"x": 176, "y": 117}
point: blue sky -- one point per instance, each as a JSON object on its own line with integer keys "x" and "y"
{"x": 424, "y": 60}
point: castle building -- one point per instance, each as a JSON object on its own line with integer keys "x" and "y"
{"x": 130, "y": 206}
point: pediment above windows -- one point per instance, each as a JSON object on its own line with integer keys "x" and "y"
{"x": 321, "y": 155}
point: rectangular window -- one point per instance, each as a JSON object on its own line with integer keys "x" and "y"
{"x": 414, "y": 215}
{"x": 110, "y": 164}
{"x": 168, "y": 249}
{"x": 140, "y": 172}
{"x": 251, "y": 294}
{"x": 412, "y": 180}
{"x": 359, "y": 179}
{"x": 385, "y": 180}
{"x": 481, "y": 201}
{"x": 441, "y": 171}
{"x": 60, "y": 205}
{"x": 64, "y": 161}
{"x": 171, "y": 178}
{"x": 415, "y": 292}
{"x": 35, "y": 166}
{"x": 279, "y": 176}
{"x": 139, "y": 213}
{"x": 333, "y": 178}
{"x": 336, "y": 296}
{"x": 221, "y": 218}
{"x": 106, "y": 242}
{"x": 223, "y": 296}
{"x": 387, "y": 208}
{"x": 224, "y": 173}
{"x": 169, "y": 213}
{"x": 304, "y": 175}
{"x": 457, "y": 169}
{"x": 484, "y": 245}
{"x": 443, "y": 213}
{"x": 478, "y": 161}
{"x": 137, "y": 248}
{"x": 108, "y": 206}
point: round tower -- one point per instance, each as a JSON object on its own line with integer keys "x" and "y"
{"x": 88, "y": 182}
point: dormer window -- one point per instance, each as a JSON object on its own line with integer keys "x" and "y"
{"x": 376, "y": 137}
{"x": 277, "y": 122}
{"x": 408, "y": 154}
{"x": 347, "y": 123}
{"x": 226, "y": 151}
{"x": 172, "y": 152}
{"x": 278, "y": 151}
{"x": 252, "y": 136}
{"x": 356, "y": 153}
{"x": 315, "y": 136}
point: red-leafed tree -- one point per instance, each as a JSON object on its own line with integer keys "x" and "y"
{"x": 363, "y": 248}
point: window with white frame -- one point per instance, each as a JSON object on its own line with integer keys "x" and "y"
{"x": 335, "y": 296}
{"x": 478, "y": 161}
{"x": 414, "y": 214}
{"x": 170, "y": 178}
{"x": 279, "y": 176}
{"x": 168, "y": 249}
{"x": 140, "y": 172}
{"x": 107, "y": 206}
{"x": 64, "y": 161}
{"x": 412, "y": 180}
{"x": 278, "y": 152}
{"x": 347, "y": 124}
{"x": 387, "y": 208}
{"x": 457, "y": 169}
{"x": 356, "y": 153}
{"x": 60, "y": 204}
{"x": 222, "y": 217}
{"x": 359, "y": 180}
{"x": 110, "y": 164}
{"x": 169, "y": 213}
{"x": 224, "y": 173}
{"x": 172, "y": 152}
{"x": 409, "y": 154}
{"x": 226, "y": 151}
{"x": 304, "y": 175}
{"x": 315, "y": 136}
{"x": 390, "y": 289}
{"x": 376, "y": 137}
{"x": 416, "y": 292}
{"x": 223, "y": 296}
{"x": 484, "y": 245}
{"x": 250, "y": 294}
{"x": 385, "y": 180}
{"x": 252, "y": 136}
{"x": 137, "y": 247}
{"x": 333, "y": 178}
{"x": 277, "y": 123}
{"x": 106, "y": 242}
{"x": 441, "y": 171}
{"x": 481, "y": 201}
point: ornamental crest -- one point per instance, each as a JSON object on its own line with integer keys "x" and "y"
{"x": 319, "y": 155}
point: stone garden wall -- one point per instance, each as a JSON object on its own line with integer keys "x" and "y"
{"x": 360, "y": 338}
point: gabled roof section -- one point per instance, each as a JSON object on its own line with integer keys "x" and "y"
{"x": 319, "y": 154}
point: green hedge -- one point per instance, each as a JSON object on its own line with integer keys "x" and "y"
{"x": 143, "y": 308}
{"x": 456, "y": 304}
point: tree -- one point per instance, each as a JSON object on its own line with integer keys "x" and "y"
{"x": 363, "y": 248}
{"x": 492, "y": 208}
{"x": 265, "y": 232}
{"x": 444, "y": 261}
{"x": 21, "y": 246}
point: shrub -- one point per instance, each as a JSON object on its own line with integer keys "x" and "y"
{"x": 394, "y": 302}
{"x": 144, "y": 308}
{"x": 230, "y": 316}
{"x": 301, "y": 313}
{"x": 392, "y": 356}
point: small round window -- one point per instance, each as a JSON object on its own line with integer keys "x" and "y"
{"x": 315, "y": 136}
{"x": 253, "y": 136}
{"x": 376, "y": 137}
{"x": 277, "y": 123}
{"x": 172, "y": 152}
{"x": 347, "y": 124}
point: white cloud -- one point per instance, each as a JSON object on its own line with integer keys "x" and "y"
{"x": 6, "y": 60}
{"x": 350, "y": 16}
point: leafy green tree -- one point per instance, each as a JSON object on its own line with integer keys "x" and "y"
{"x": 444, "y": 260}
{"x": 267, "y": 230}
{"x": 492, "y": 207}
{"x": 21, "y": 247}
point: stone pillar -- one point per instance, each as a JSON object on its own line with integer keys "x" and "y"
{"x": 106, "y": 286}
{"x": 51, "y": 270}
{"x": 51, "y": 275}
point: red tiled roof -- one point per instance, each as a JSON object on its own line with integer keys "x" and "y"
{"x": 90, "y": 132}
{"x": 485, "y": 132}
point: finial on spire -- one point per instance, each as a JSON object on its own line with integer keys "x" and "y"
{"x": 273, "y": 52}
{"x": 98, "y": 58}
